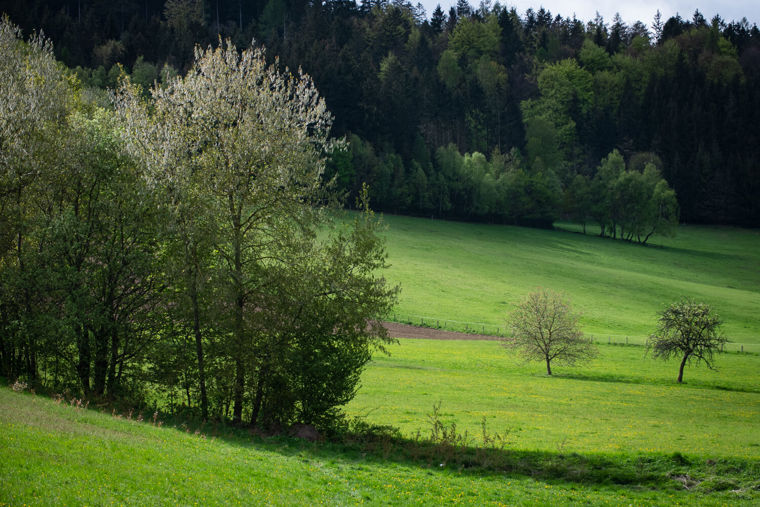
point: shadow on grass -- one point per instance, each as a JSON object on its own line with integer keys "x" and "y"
{"x": 652, "y": 245}
{"x": 359, "y": 443}
{"x": 700, "y": 254}
{"x": 602, "y": 377}
{"x": 385, "y": 445}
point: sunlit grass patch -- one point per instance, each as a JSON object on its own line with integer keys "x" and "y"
{"x": 475, "y": 273}
{"x": 622, "y": 401}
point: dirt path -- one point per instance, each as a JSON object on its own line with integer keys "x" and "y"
{"x": 406, "y": 331}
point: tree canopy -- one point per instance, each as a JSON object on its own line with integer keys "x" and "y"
{"x": 563, "y": 93}
{"x": 690, "y": 330}
{"x": 180, "y": 248}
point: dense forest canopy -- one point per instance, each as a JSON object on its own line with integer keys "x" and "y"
{"x": 478, "y": 113}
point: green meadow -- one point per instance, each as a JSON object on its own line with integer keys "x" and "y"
{"x": 57, "y": 454}
{"x": 620, "y": 402}
{"x": 454, "y": 273}
{"x": 616, "y": 430}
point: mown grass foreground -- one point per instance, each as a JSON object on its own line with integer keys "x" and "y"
{"x": 466, "y": 272}
{"x": 57, "y": 454}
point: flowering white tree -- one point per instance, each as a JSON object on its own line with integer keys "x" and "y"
{"x": 238, "y": 148}
{"x": 35, "y": 96}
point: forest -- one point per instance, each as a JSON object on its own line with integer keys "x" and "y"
{"x": 479, "y": 113}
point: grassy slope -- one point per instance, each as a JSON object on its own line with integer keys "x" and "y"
{"x": 59, "y": 455}
{"x": 475, "y": 273}
{"x": 622, "y": 412}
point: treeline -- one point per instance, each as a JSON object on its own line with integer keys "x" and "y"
{"x": 558, "y": 94}
{"x": 631, "y": 202}
{"x": 176, "y": 250}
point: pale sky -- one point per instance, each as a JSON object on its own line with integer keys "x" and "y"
{"x": 641, "y": 10}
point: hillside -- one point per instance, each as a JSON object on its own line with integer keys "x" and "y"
{"x": 614, "y": 431}
{"x": 454, "y": 273}
{"x": 57, "y": 454}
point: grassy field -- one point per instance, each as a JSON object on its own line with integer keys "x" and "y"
{"x": 462, "y": 272}
{"x": 617, "y": 430}
{"x": 621, "y": 402}
{"x": 57, "y": 454}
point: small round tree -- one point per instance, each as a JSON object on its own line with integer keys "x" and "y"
{"x": 690, "y": 330}
{"x": 544, "y": 328}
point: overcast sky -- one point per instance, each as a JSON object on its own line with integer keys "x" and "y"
{"x": 640, "y": 10}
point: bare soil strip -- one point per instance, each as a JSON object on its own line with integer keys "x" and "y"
{"x": 397, "y": 330}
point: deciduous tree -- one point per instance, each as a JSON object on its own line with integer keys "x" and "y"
{"x": 35, "y": 97}
{"x": 689, "y": 330}
{"x": 544, "y": 328}
{"x": 237, "y": 150}
{"x": 320, "y": 313}
{"x": 252, "y": 141}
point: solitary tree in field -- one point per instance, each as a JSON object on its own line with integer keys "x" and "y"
{"x": 690, "y": 330}
{"x": 545, "y": 328}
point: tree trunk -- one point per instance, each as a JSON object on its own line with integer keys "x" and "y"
{"x": 111, "y": 381}
{"x": 83, "y": 366}
{"x": 31, "y": 367}
{"x": 237, "y": 409}
{"x": 187, "y": 392}
{"x": 29, "y": 353}
{"x": 4, "y": 359}
{"x": 32, "y": 361}
{"x": 238, "y": 332}
{"x": 101, "y": 362}
{"x": 548, "y": 366}
{"x": 199, "y": 345}
{"x": 646, "y": 238}
{"x": 680, "y": 370}
{"x": 259, "y": 397}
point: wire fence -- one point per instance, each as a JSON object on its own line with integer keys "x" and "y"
{"x": 490, "y": 329}
{"x": 449, "y": 325}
